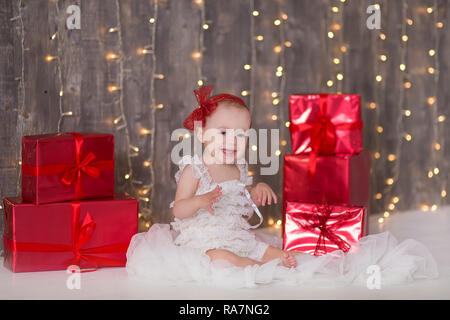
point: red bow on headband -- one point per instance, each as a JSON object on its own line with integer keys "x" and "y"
{"x": 207, "y": 105}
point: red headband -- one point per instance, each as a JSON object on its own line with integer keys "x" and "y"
{"x": 207, "y": 105}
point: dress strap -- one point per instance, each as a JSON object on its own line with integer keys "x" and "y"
{"x": 245, "y": 177}
{"x": 255, "y": 208}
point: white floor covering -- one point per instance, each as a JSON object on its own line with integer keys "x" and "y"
{"x": 431, "y": 228}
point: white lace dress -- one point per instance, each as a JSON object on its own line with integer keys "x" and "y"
{"x": 228, "y": 228}
{"x": 177, "y": 255}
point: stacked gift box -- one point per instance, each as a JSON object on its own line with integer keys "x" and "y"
{"x": 68, "y": 213}
{"x": 326, "y": 179}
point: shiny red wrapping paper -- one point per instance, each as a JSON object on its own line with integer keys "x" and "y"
{"x": 88, "y": 233}
{"x": 319, "y": 230}
{"x": 339, "y": 179}
{"x": 67, "y": 166}
{"x": 329, "y": 123}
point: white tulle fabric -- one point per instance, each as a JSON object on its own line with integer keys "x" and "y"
{"x": 177, "y": 255}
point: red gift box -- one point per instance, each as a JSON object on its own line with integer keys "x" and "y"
{"x": 325, "y": 124}
{"x": 88, "y": 233}
{"x": 321, "y": 229}
{"x": 339, "y": 179}
{"x": 67, "y": 166}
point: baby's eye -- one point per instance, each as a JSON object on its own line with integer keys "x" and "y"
{"x": 240, "y": 135}
{"x": 223, "y": 132}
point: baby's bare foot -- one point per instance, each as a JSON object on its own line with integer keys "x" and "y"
{"x": 288, "y": 260}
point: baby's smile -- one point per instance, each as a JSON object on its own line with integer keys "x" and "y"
{"x": 229, "y": 152}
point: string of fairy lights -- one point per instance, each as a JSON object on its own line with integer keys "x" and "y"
{"x": 394, "y": 157}
{"x": 335, "y": 15}
{"x": 433, "y": 70}
{"x": 154, "y": 107}
{"x": 277, "y": 94}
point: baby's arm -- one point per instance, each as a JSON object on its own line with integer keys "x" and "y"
{"x": 186, "y": 203}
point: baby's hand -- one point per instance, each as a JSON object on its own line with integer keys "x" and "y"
{"x": 262, "y": 193}
{"x": 206, "y": 200}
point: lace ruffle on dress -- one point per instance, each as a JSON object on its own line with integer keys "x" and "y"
{"x": 177, "y": 255}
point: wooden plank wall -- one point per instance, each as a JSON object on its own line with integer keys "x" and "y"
{"x": 116, "y": 80}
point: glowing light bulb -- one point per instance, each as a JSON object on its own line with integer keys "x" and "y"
{"x": 391, "y": 157}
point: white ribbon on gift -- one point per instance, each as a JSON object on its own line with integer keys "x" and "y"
{"x": 255, "y": 208}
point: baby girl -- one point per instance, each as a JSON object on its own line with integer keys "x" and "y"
{"x": 210, "y": 206}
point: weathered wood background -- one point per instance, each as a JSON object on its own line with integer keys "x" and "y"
{"x": 95, "y": 78}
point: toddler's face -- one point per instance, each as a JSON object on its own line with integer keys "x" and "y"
{"x": 225, "y": 133}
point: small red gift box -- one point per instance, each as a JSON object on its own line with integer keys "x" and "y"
{"x": 325, "y": 124}
{"x": 339, "y": 179}
{"x": 88, "y": 233}
{"x": 321, "y": 229}
{"x": 67, "y": 166}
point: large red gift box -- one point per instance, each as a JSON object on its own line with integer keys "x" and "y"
{"x": 339, "y": 179}
{"x": 67, "y": 166}
{"x": 325, "y": 124}
{"x": 88, "y": 233}
{"x": 321, "y": 229}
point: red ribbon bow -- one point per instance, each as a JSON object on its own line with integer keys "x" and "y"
{"x": 207, "y": 105}
{"x": 322, "y": 133}
{"x": 75, "y": 171}
{"x": 319, "y": 220}
{"x": 81, "y": 234}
